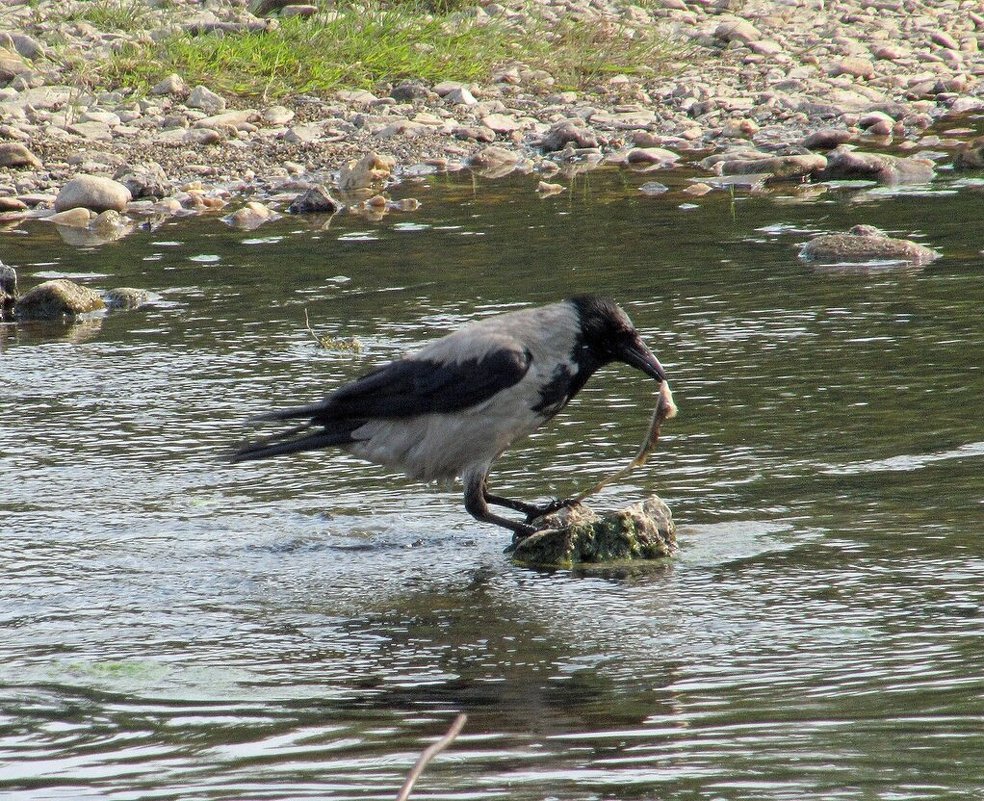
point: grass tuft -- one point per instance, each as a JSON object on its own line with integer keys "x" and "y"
{"x": 365, "y": 46}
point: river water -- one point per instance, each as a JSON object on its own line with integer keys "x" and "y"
{"x": 176, "y": 627}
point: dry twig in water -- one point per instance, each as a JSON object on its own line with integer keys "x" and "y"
{"x": 429, "y": 753}
{"x": 328, "y": 342}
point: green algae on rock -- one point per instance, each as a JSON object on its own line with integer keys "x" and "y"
{"x": 58, "y": 298}
{"x": 576, "y": 535}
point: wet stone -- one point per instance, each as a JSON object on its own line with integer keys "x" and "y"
{"x": 577, "y": 535}
{"x": 315, "y": 200}
{"x": 865, "y": 243}
{"x": 55, "y": 299}
{"x": 125, "y": 297}
{"x": 846, "y": 164}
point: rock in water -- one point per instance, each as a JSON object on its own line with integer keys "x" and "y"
{"x": 576, "y": 535}
{"x": 865, "y": 243}
{"x": 93, "y": 192}
{"x": 8, "y": 290}
{"x": 53, "y": 300}
{"x": 125, "y": 297}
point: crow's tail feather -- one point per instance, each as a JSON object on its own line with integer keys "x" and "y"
{"x": 294, "y": 413}
{"x": 289, "y": 442}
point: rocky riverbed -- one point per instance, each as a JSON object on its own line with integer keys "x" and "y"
{"x": 794, "y": 89}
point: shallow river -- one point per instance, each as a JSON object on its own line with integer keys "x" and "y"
{"x": 176, "y": 627}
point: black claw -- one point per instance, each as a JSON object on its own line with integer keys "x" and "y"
{"x": 549, "y": 508}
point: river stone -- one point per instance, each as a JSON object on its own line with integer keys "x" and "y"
{"x": 574, "y": 131}
{"x": 252, "y": 215}
{"x": 205, "y": 99}
{"x": 8, "y": 290}
{"x": 864, "y": 243}
{"x": 14, "y": 154}
{"x": 493, "y": 158}
{"x": 971, "y": 155}
{"x": 853, "y": 66}
{"x": 144, "y": 179}
{"x": 73, "y": 218}
{"x": 372, "y": 169}
{"x": 93, "y": 192}
{"x": 779, "y": 167}
{"x": 651, "y": 155}
{"x": 576, "y": 535}
{"x": 173, "y": 84}
{"x": 827, "y": 138}
{"x": 846, "y": 164}
{"x": 11, "y": 65}
{"x": 737, "y": 30}
{"x": 315, "y": 200}
{"x": 11, "y": 204}
{"x": 55, "y": 299}
{"x": 277, "y": 115}
{"x": 125, "y": 297}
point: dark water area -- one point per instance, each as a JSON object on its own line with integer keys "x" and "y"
{"x": 176, "y": 627}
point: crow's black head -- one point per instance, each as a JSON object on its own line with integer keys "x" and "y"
{"x": 609, "y": 335}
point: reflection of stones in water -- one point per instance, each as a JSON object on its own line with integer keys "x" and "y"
{"x": 104, "y": 228}
{"x": 65, "y": 330}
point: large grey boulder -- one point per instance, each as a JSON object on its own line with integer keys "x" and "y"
{"x": 93, "y": 192}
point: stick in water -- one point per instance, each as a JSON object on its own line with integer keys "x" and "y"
{"x": 665, "y": 409}
{"x": 429, "y": 753}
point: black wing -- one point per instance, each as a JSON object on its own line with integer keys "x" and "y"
{"x": 415, "y": 386}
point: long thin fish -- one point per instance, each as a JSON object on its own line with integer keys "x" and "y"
{"x": 665, "y": 409}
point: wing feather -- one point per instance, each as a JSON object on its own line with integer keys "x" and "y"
{"x": 417, "y": 385}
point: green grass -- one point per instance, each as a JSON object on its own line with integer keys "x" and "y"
{"x": 364, "y": 47}
{"x": 112, "y": 15}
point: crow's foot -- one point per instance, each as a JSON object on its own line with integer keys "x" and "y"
{"x": 549, "y": 508}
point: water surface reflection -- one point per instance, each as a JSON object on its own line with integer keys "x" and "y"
{"x": 175, "y": 627}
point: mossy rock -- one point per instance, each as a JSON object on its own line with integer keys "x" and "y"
{"x": 56, "y": 299}
{"x": 577, "y": 535}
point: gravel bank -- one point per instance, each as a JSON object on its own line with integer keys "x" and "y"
{"x": 780, "y": 82}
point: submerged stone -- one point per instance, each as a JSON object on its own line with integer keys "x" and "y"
{"x": 865, "y": 243}
{"x": 125, "y": 297}
{"x": 577, "y": 535}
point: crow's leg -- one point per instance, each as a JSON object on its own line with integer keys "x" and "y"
{"x": 476, "y": 504}
{"x": 531, "y": 510}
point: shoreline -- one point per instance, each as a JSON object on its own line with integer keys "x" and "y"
{"x": 762, "y": 79}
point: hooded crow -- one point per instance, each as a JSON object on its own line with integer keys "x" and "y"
{"x": 450, "y": 409}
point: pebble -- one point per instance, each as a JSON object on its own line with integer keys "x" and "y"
{"x": 846, "y": 164}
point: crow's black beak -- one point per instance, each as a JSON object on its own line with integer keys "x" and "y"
{"x": 639, "y": 356}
